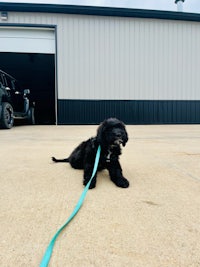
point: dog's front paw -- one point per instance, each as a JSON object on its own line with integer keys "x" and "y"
{"x": 121, "y": 182}
{"x": 92, "y": 185}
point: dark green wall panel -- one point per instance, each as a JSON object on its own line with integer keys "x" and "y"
{"x": 130, "y": 111}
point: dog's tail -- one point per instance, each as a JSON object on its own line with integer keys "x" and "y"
{"x": 60, "y": 160}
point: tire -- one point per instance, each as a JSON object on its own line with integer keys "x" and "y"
{"x": 7, "y": 117}
{"x": 31, "y": 116}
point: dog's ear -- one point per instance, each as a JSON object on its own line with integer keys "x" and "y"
{"x": 101, "y": 131}
{"x": 125, "y": 140}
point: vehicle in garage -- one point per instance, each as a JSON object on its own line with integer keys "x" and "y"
{"x": 15, "y": 103}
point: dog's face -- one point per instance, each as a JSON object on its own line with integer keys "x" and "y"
{"x": 112, "y": 132}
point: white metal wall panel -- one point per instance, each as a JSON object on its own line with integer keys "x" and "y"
{"x": 123, "y": 58}
{"x": 27, "y": 40}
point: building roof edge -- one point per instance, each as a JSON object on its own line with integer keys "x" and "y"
{"x": 99, "y": 11}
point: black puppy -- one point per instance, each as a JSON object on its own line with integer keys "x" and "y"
{"x": 110, "y": 134}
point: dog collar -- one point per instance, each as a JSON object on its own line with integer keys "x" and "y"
{"x": 108, "y": 156}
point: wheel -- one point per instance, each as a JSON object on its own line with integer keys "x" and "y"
{"x": 7, "y": 118}
{"x": 31, "y": 115}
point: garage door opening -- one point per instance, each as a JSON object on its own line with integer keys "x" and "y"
{"x": 28, "y": 54}
{"x": 36, "y": 72}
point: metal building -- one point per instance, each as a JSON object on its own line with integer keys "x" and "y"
{"x": 141, "y": 66}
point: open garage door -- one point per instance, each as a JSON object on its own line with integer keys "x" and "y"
{"x": 28, "y": 54}
{"x": 27, "y": 40}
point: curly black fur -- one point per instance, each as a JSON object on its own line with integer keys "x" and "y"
{"x": 110, "y": 134}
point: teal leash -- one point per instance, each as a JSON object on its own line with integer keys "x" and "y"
{"x": 49, "y": 250}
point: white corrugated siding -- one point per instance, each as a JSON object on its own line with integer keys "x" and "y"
{"x": 123, "y": 58}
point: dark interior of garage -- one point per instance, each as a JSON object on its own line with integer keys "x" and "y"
{"x": 37, "y": 73}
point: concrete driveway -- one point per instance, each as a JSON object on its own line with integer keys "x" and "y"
{"x": 153, "y": 223}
